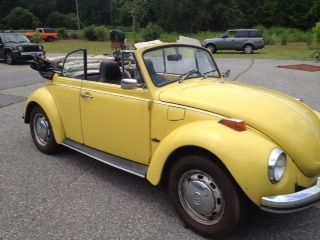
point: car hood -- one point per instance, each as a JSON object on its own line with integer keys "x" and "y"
{"x": 20, "y": 44}
{"x": 288, "y": 122}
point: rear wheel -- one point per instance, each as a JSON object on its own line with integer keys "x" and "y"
{"x": 205, "y": 196}
{"x": 248, "y": 49}
{"x": 211, "y": 47}
{"x": 41, "y": 131}
{"x": 50, "y": 39}
{"x": 9, "y": 58}
{"x": 316, "y": 57}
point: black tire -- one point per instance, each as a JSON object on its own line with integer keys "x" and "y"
{"x": 316, "y": 57}
{"x": 41, "y": 131}
{"x": 248, "y": 49}
{"x": 50, "y": 39}
{"x": 9, "y": 58}
{"x": 217, "y": 195}
{"x": 211, "y": 47}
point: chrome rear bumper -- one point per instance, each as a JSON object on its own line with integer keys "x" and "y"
{"x": 292, "y": 202}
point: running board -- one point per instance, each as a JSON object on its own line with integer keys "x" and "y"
{"x": 137, "y": 169}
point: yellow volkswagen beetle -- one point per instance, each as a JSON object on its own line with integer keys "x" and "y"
{"x": 166, "y": 112}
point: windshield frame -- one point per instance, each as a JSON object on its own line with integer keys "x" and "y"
{"x": 5, "y": 36}
{"x": 173, "y": 46}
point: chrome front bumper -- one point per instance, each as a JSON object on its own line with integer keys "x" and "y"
{"x": 292, "y": 202}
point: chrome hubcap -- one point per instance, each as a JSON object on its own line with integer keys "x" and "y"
{"x": 41, "y": 129}
{"x": 200, "y": 197}
{"x": 211, "y": 48}
{"x": 248, "y": 49}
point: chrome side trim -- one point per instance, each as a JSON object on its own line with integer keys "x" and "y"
{"x": 115, "y": 94}
{"x": 134, "y": 168}
{"x": 187, "y": 108}
{"x": 292, "y": 202}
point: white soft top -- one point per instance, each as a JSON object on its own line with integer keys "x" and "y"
{"x": 147, "y": 44}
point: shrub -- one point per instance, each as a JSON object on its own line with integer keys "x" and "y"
{"x": 93, "y": 33}
{"x": 36, "y": 38}
{"x": 75, "y": 35}
{"x": 102, "y": 33}
{"x": 89, "y": 33}
{"x": 284, "y": 38}
{"x": 316, "y": 32}
{"x": 63, "y": 33}
{"x": 151, "y": 32}
{"x": 134, "y": 37}
{"x": 269, "y": 39}
{"x": 309, "y": 39}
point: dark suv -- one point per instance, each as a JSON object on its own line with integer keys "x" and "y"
{"x": 17, "y": 47}
{"x": 246, "y": 40}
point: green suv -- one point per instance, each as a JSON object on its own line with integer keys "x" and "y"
{"x": 16, "y": 47}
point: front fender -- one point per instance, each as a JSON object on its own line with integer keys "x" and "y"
{"x": 44, "y": 99}
{"x": 245, "y": 155}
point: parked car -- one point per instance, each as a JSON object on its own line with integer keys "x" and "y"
{"x": 46, "y": 34}
{"x": 16, "y": 47}
{"x": 164, "y": 112}
{"x": 246, "y": 40}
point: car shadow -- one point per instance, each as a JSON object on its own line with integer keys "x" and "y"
{"x": 257, "y": 224}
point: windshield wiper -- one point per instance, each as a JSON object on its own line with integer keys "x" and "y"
{"x": 205, "y": 75}
{"x": 188, "y": 74}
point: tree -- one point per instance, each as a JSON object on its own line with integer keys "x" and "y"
{"x": 58, "y": 20}
{"x": 20, "y": 18}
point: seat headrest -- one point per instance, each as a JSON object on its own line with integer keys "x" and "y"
{"x": 110, "y": 72}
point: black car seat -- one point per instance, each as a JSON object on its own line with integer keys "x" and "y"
{"x": 157, "y": 79}
{"x": 110, "y": 72}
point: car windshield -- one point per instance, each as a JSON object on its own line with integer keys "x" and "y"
{"x": 15, "y": 38}
{"x": 178, "y": 63}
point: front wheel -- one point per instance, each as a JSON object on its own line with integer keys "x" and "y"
{"x": 41, "y": 131}
{"x": 9, "y": 58}
{"x": 316, "y": 57}
{"x": 205, "y": 197}
{"x": 211, "y": 47}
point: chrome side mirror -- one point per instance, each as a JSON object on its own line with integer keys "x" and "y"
{"x": 226, "y": 74}
{"x": 128, "y": 83}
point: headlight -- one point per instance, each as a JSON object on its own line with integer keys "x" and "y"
{"x": 277, "y": 165}
{"x": 40, "y": 47}
{"x": 20, "y": 48}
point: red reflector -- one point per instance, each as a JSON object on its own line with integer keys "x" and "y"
{"x": 235, "y": 124}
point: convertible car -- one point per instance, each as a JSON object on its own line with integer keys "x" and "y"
{"x": 165, "y": 112}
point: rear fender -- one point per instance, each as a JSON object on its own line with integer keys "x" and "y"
{"x": 44, "y": 99}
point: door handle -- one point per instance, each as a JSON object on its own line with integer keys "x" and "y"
{"x": 86, "y": 95}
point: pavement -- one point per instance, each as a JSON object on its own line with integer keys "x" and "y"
{"x": 70, "y": 196}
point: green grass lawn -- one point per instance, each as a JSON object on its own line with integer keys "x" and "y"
{"x": 291, "y": 51}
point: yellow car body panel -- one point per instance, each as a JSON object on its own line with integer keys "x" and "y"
{"x": 65, "y": 90}
{"x": 246, "y": 163}
{"x": 117, "y": 121}
{"x": 44, "y": 99}
{"x": 146, "y": 125}
{"x": 274, "y": 114}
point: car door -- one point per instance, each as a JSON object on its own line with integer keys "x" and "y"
{"x": 1, "y": 49}
{"x": 227, "y": 41}
{"x": 66, "y": 93}
{"x": 116, "y": 120}
{"x": 241, "y": 37}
